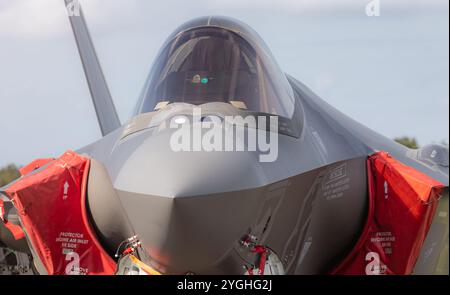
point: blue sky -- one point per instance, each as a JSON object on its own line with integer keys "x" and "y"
{"x": 388, "y": 72}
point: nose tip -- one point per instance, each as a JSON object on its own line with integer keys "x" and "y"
{"x": 190, "y": 233}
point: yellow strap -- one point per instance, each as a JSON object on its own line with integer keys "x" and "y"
{"x": 144, "y": 266}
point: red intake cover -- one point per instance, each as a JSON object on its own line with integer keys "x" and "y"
{"x": 402, "y": 205}
{"x": 51, "y": 204}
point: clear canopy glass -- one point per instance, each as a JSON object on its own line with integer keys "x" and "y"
{"x": 217, "y": 63}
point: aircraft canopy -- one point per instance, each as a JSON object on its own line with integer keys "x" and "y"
{"x": 224, "y": 62}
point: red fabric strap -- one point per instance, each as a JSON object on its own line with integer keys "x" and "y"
{"x": 15, "y": 230}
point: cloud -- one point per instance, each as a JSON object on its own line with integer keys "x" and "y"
{"x": 48, "y": 18}
{"x": 323, "y": 83}
{"x": 26, "y": 18}
{"x": 325, "y": 5}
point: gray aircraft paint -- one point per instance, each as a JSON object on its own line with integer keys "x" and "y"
{"x": 101, "y": 97}
{"x": 191, "y": 210}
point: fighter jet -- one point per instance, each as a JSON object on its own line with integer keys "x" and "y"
{"x": 299, "y": 205}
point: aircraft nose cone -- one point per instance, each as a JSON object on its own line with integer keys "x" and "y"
{"x": 184, "y": 234}
{"x": 148, "y": 165}
{"x": 182, "y": 205}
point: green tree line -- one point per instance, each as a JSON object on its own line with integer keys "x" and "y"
{"x": 410, "y": 142}
{"x": 8, "y": 174}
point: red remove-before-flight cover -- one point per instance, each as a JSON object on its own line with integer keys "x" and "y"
{"x": 51, "y": 203}
{"x": 402, "y": 204}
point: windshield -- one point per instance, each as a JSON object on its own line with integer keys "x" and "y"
{"x": 213, "y": 64}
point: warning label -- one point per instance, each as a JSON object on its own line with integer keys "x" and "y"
{"x": 70, "y": 242}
